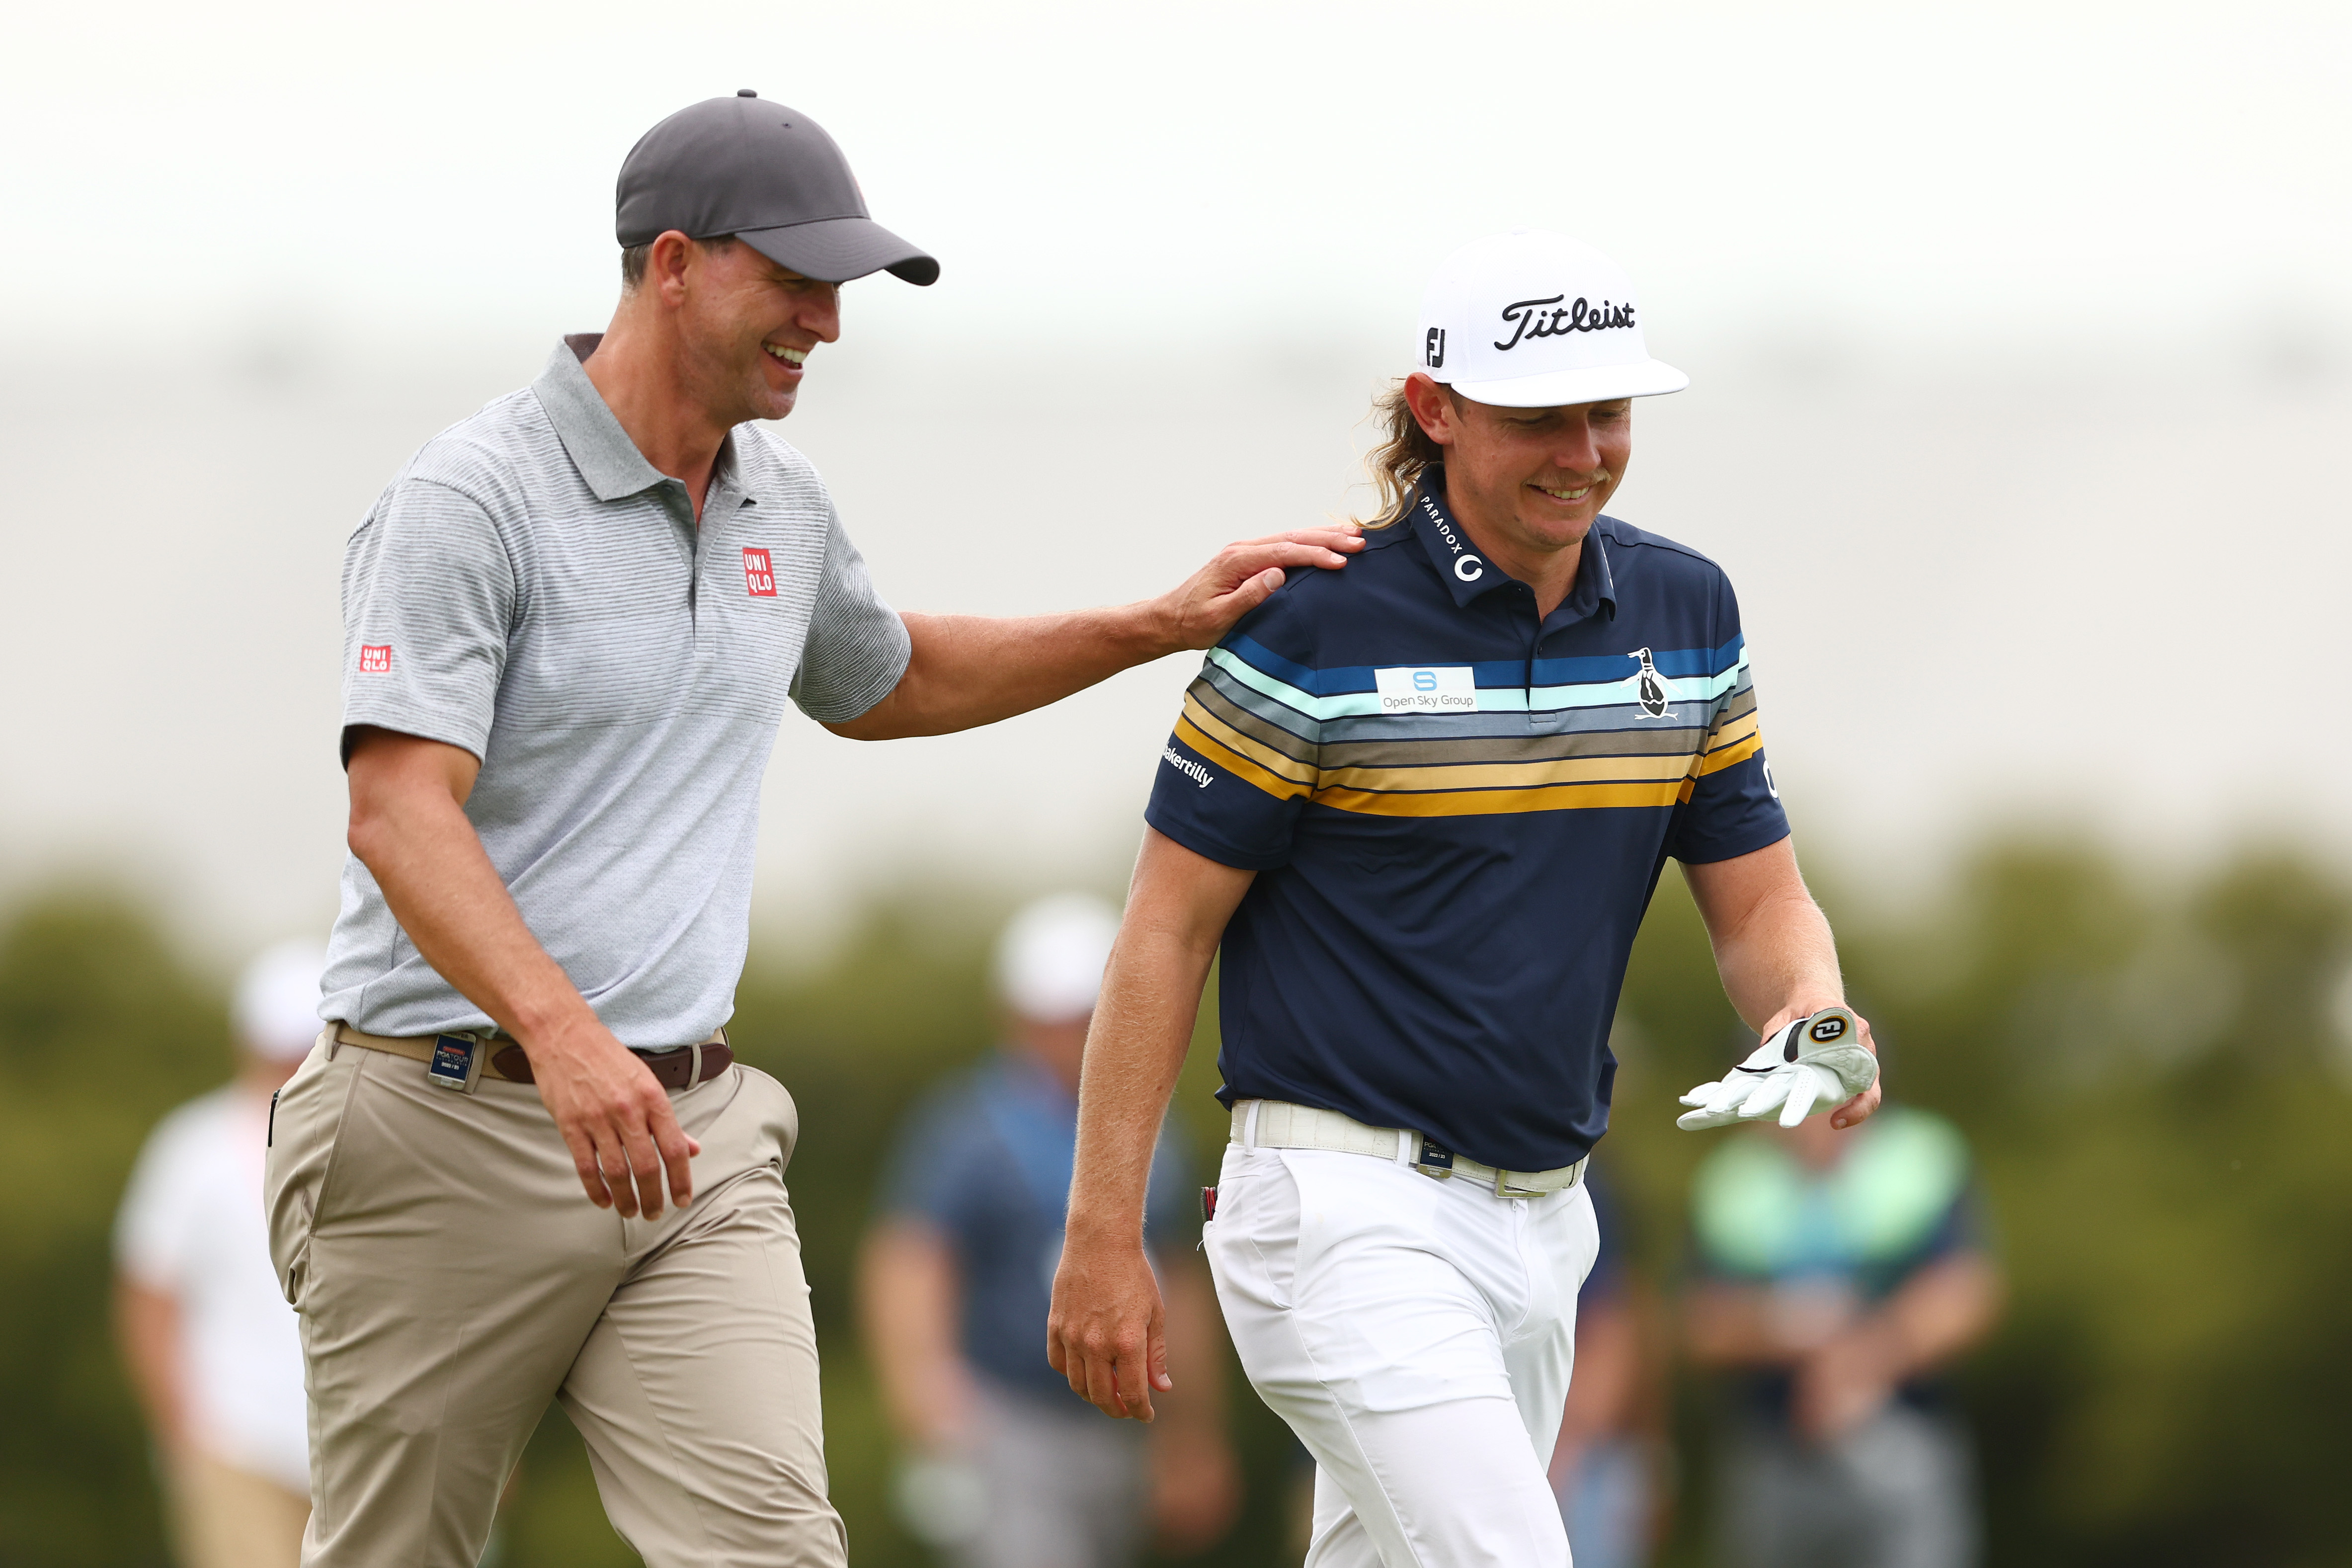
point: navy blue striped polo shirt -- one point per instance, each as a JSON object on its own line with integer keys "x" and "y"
{"x": 1457, "y": 815}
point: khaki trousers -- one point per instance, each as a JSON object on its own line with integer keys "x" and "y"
{"x": 452, "y": 1279}
{"x": 226, "y": 1517}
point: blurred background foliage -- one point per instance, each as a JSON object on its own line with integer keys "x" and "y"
{"x": 2154, "y": 1072}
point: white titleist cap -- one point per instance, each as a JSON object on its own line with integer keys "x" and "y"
{"x": 277, "y": 1010}
{"x": 1049, "y": 962}
{"x": 1530, "y": 319}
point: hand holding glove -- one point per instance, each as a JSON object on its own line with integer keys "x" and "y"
{"x": 1819, "y": 1060}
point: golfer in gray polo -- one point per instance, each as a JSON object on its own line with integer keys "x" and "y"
{"x": 520, "y": 1164}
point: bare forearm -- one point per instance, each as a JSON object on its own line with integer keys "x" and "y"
{"x": 1732, "y": 1326}
{"x": 1772, "y": 943}
{"x": 908, "y": 1301}
{"x": 1195, "y": 1342}
{"x": 1142, "y": 1028}
{"x": 440, "y": 884}
{"x": 1608, "y": 1371}
{"x": 1940, "y": 1312}
{"x": 967, "y": 670}
{"x": 147, "y": 1324}
{"x": 972, "y": 669}
{"x": 1783, "y": 959}
{"x": 1106, "y": 1331}
{"x": 409, "y": 828}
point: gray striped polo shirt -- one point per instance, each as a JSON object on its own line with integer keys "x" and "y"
{"x": 530, "y": 588}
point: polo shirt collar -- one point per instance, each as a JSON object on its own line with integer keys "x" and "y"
{"x": 1467, "y": 574}
{"x": 592, "y": 433}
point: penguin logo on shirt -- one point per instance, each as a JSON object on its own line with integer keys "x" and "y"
{"x": 1651, "y": 689}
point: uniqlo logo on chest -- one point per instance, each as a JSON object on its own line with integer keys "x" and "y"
{"x": 758, "y": 575}
{"x": 376, "y": 660}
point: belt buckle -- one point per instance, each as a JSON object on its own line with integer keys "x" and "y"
{"x": 1504, "y": 1189}
{"x": 655, "y": 1061}
{"x": 1434, "y": 1161}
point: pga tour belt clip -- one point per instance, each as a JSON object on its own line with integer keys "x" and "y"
{"x": 456, "y": 1062}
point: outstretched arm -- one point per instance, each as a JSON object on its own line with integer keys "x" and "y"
{"x": 1773, "y": 947}
{"x": 967, "y": 670}
{"x": 1106, "y": 1332}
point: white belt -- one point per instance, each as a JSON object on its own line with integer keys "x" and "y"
{"x": 1277, "y": 1124}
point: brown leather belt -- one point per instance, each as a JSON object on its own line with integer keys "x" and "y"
{"x": 680, "y": 1067}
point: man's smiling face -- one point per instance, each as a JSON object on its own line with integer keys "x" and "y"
{"x": 748, "y": 325}
{"x": 1535, "y": 477}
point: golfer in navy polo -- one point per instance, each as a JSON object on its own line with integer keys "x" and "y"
{"x": 1421, "y": 805}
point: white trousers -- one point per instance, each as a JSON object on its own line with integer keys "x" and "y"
{"x": 1418, "y": 1335}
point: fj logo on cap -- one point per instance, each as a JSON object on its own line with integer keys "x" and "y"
{"x": 1529, "y": 319}
{"x": 758, "y": 575}
{"x": 1433, "y": 350}
{"x": 376, "y": 660}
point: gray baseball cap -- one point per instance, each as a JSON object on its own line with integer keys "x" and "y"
{"x": 769, "y": 176}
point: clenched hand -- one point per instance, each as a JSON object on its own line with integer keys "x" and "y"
{"x": 1107, "y": 1332}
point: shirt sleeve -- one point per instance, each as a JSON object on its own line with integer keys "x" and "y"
{"x": 930, "y": 1169}
{"x": 857, "y": 647}
{"x": 1730, "y": 806}
{"x": 152, "y": 1227}
{"x": 1964, "y": 1230}
{"x": 428, "y": 603}
{"x": 1245, "y": 756}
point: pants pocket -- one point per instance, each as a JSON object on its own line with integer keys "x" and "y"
{"x": 304, "y": 1132}
{"x": 777, "y": 1114}
{"x": 1255, "y": 1237}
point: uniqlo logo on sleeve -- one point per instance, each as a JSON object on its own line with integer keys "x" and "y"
{"x": 376, "y": 660}
{"x": 758, "y": 575}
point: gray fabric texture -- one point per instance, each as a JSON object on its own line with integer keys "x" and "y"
{"x": 1898, "y": 1491}
{"x": 1065, "y": 1488}
{"x": 530, "y": 589}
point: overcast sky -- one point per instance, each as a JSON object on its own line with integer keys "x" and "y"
{"x": 2004, "y": 173}
{"x": 2019, "y": 336}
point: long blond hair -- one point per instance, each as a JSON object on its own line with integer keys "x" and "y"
{"x": 1404, "y": 451}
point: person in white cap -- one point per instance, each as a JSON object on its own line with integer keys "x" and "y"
{"x": 1005, "y": 1470}
{"x": 212, "y": 1348}
{"x": 1421, "y": 805}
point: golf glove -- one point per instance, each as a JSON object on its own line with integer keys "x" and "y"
{"x": 1819, "y": 1060}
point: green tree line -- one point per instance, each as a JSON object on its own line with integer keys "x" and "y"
{"x": 2153, "y": 1071}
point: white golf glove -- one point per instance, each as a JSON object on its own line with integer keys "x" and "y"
{"x": 1819, "y": 1060}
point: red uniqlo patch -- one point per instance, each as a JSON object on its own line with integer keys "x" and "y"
{"x": 376, "y": 660}
{"x": 758, "y": 575}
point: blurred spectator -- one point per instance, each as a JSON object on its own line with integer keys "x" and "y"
{"x": 1006, "y": 1468}
{"x": 212, "y": 1346}
{"x": 1605, "y": 1469}
{"x": 1839, "y": 1272}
